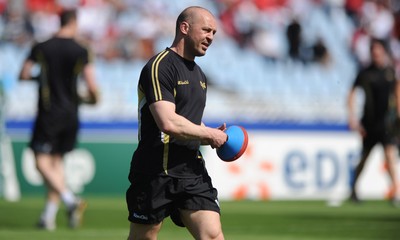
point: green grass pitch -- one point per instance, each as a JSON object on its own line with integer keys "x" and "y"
{"x": 106, "y": 218}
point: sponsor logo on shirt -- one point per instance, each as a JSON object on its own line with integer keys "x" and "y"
{"x": 183, "y": 82}
{"x": 203, "y": 85}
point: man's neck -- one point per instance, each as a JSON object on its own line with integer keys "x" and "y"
{"x": 66, "y": 32}
{"x": 180, "y": 50}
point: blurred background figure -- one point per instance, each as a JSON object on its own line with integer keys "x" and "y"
{"x": 293, "y": 33}
{"x": 320, "y": 52}
{"x": 61, "y": 60}
{"x": 381, "y": 113}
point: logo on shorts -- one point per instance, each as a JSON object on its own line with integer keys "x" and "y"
{"x": 143, "y": 217}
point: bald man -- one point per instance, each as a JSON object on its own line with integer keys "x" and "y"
{"x": 168, "y": 175}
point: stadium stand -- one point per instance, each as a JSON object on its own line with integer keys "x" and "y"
{"x": 252, "y": 78}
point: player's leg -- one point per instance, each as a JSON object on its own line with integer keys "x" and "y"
{"x": 50, "y": 173}
{"x": 139, "y": 231}
{"x": 199, "y": 210}
{"x": 148, "y": 203}
{"x": 357, "y": 173}
{"x": 74, "y": 205}
{"x": 59, "y": 180}
{"x": 368, "y": 143}
{"x": 41, "y": 144}
{"x": 390, "y": 158}
{"x": 45, "y": 165}
{"x": 65, "y": 142}
{"x": 203, "y": 224}
{"x": 48, "y": 216}
{"x": 51, "y": 167}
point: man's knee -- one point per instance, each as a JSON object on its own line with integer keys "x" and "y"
{"x": 144, "y": 231}
{"x": 203, "y": 224}
{"x": 214, "y": 234}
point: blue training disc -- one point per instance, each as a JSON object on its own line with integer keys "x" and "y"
{"x": 236, "y": 144}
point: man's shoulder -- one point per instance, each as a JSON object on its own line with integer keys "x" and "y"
{"x": 82, "y": 44}
{"x": 55, "y": 41}
{"x": 164, "y": 56}
{"x": 366, "y": 71}
{"x": 161, "y": 61}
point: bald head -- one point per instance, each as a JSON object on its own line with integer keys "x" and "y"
{"x": 195, "y": 30}
{"x": 190, "y": 15}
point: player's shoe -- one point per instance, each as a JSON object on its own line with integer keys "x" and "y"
{"x": 75, "y": 213}
{"x": 354, "y": 198}
{"x": 46, "y": 225}
{"x": 395, "y": 201}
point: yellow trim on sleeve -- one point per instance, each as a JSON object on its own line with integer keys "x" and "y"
{"x": 154, "y": 75}
{"x": 165, "y": 139}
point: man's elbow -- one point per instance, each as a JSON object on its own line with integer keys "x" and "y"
{"x": 26, "y": 71}
{"x": 172, "y": 129}
{"x": 22, "y": 78}
{"x": 25, "y": 75}
{"x": 167, "y": 127}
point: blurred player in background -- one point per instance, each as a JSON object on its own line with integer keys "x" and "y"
{"x": 168, "y": 175}
{"x": 380, "y": 115}
{"x": 61, "y": 60}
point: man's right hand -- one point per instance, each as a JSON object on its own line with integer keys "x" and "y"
{"x": 217, "y": 136}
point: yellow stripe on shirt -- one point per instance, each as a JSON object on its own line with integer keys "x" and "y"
{"x": 154, "y": 75}
{"x": 142, "y": 101}
{"x": 165, "y": 140}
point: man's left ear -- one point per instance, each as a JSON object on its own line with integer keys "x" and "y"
{"x": 185, "y": 27}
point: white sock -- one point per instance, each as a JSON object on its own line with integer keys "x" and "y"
{"x": 50, "y": 212}
{"x": 68, "y": 198}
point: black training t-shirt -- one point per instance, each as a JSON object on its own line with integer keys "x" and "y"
{"x": 169, "y": 77}
{"x": 378, "y": 85}
{"x": 61, "y": 61}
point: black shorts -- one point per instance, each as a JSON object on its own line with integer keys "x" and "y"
{"x": 151, "y": 199}
{"x": 378, "y": 135}
{"x": 55, "y": 138}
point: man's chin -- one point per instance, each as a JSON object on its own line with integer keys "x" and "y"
{"x": 201, "y": 53}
